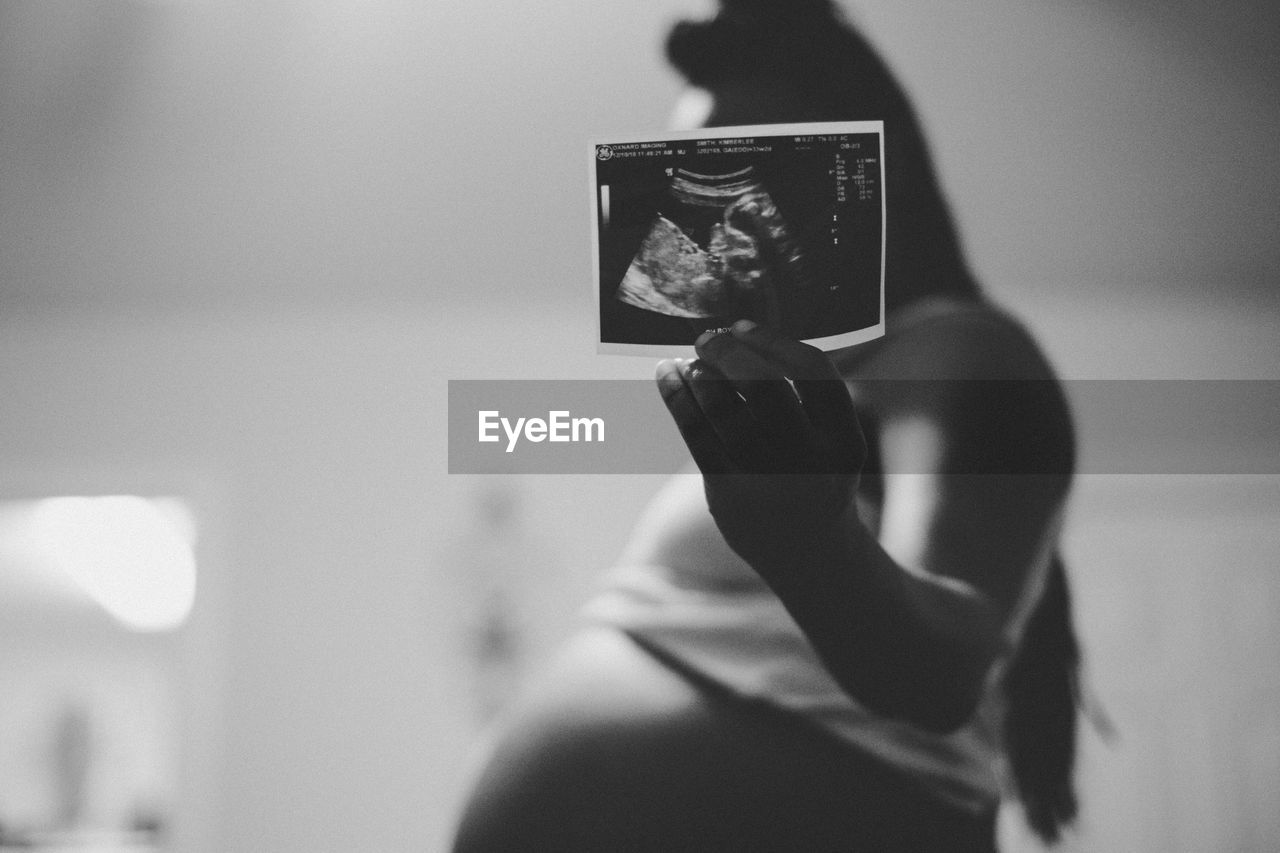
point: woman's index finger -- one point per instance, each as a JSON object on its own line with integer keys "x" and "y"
{"x": 761, "y": 383}
{"x": 698, "y": 432}
{"x": 820, "y": 387}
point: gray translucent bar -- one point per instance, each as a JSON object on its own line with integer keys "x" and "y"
{"x": 622, "y": 426}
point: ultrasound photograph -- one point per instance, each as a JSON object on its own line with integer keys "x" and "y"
{"x": 779, "y": 224}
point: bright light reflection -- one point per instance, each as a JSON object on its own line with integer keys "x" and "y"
{"x": 133, "y": 556}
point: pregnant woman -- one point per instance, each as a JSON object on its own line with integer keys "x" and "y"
{"x": 849, "y": 630}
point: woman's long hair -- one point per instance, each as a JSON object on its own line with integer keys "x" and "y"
{"x": 840, "y": 77}
{"x": 837, "y": 77}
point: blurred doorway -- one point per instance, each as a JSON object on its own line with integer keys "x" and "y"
{"x": 109, "y": 716}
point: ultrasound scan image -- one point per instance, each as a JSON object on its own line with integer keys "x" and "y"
{"x": 693, "y": 233}
{"x": 718, "y": 247}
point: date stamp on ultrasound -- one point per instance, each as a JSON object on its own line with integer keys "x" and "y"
{"x": 781, "y": 224}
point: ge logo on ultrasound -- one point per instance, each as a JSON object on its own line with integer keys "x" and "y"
{"x": 604, "y": 152}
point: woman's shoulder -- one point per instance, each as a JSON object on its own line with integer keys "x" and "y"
{"x": 1019, "y": 420}
{"x": 946, "y": 338}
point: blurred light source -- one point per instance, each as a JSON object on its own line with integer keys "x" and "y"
{"x": 131, "y": 555}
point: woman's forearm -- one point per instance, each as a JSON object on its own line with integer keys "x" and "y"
{"x": 903, "y": 644}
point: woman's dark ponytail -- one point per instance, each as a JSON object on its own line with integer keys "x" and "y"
{"x": 1041, "y": 686}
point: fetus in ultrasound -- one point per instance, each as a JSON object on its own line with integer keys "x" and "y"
{"x": 718, "y": 248}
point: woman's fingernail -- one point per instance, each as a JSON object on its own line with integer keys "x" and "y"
{"x": 667, "y": 375}
{"x": 744, "y": 326}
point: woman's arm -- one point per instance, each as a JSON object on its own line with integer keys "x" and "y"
{"x": 910, "y": 621}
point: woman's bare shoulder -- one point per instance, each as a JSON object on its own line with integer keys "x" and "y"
{"x": 1019, "y": 420}
{"x": 928, "y": 416}
{"x": 951, "y": 339}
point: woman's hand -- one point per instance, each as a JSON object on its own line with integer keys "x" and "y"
{"x": 771, "y": 425}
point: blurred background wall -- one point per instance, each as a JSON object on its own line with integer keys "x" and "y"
{"x": 243, "y": 245}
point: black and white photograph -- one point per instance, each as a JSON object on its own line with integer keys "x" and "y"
{"x": 639, "y": 426}
{"x": 777, "y": 224}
